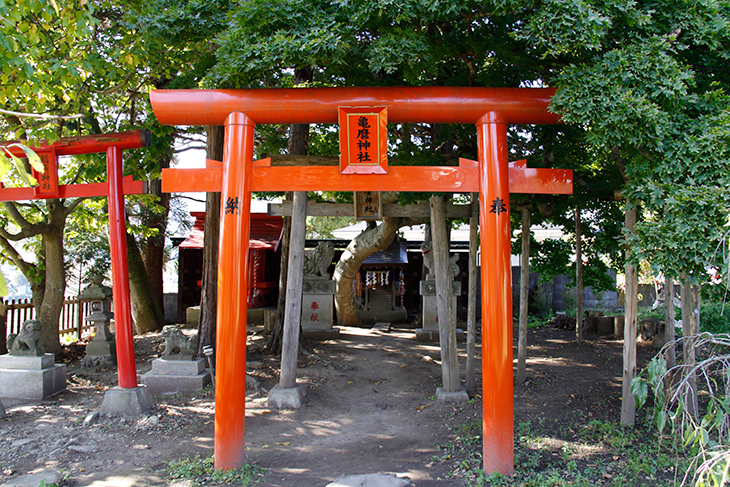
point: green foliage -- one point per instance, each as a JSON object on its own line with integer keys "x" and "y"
{"x": 703, "y": 435}
{"x": 647, "y": 85}
{"x": 200, "y": 471}
{"x": 715, "y": 317}
{"x": 555, "y": 454}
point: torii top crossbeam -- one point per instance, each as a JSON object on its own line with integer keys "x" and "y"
{"x": 490, "y": 109}
{"x": 319, "y": 105}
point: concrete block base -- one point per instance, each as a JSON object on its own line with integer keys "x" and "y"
{"x": 382, "y": 326}
{"x": 174, "y": 376}
{"x": 371, "y": 480}
{"x": 126, "y": 402}
{"x": 162, "y": 385}
{"x": 2, "y": 410}
{"x": 31, "y": 378}
{"x": 330, "y": 334}
{"x": 286, "y": 398}
{"x": 433, "y": 335}
{"x": 452, "y": 397}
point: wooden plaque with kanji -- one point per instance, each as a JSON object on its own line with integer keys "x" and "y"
{"x": 363, "y": 140}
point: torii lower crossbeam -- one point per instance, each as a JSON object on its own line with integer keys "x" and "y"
{"x": 238, "y": 110}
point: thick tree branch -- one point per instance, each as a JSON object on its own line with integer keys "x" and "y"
{"x": 27, "y": 229}
{"x": 15, "y": 257}
{"x": 41, "y": 116}
{"x": 73, "y": 205}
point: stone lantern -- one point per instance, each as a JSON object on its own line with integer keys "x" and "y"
{"x": 102, "y": 349}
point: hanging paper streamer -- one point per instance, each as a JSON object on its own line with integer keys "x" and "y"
{"x": 357, "y": 285}
{"x": 402, "y": 287}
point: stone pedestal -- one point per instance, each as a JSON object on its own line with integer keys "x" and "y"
{"x": 286, "y": 398}
{"x": 458, "y": 397}
{"x": 318, "y": 308}
{"x": 30, "y": 377}
{"x": 174, "y": 376}
{"x": 429, "y": 318}
{"x": 132, "y": 402}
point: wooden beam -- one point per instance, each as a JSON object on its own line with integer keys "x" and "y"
{"x": 420, "y": 210}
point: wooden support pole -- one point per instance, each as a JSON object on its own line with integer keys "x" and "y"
{"x": 669, "y": 319}
{"x": 447, "y": 325}
{"x": 628, "y": 405}
{"x": 688, "y": 332}
{"x": 471, "y": 311}
{"x": 494, "y": 216}
{"x": 230, "y": 390}
{"x": 578, "y": 279}
{"x": 295, "y": 276}
{"x": 120, "y": 275}
{"x": 524, "y": 296}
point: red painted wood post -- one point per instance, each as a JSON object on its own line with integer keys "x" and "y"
{"x": 230, "y": 383}
{"x": 494, "y": 216}
{"x": 120, "y": 281}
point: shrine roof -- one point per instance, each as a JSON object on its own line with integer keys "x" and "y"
{"x": 265, "y": 231}
{"x": 395, "y": 255}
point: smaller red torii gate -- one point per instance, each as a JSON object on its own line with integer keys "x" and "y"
{"x": 115, "y": 188}
{"x": 490, "y": 109}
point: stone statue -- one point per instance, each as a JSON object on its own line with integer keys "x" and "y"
{"x": 427, "y": 251}
{"x": 28, "y": 341}
{"x": 320, "y": 260}
{"x": 177, "y": 345}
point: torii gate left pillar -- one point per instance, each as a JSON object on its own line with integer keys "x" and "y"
{"x": 492, "y": 176}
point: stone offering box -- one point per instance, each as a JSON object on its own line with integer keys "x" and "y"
{"x": 318, "y": 309}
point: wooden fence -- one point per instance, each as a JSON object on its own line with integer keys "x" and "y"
{"x": 71, "y": 322}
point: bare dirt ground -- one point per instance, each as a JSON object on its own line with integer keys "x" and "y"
{"x": 370, "y": 408}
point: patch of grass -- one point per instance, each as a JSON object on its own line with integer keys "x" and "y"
{"x": 200, "y": 471}
{"x": 588, "y": 452}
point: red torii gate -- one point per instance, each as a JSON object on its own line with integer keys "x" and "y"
{"x": 115, "y": 188}
{"x": 491, "y": 109}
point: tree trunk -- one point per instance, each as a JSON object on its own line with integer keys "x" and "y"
{"x": 445, "y": 312}
{"x": 669, "y": 319}
{"x": 153, "y": 249}
{"x": 368, "y": 242}
{"x": 146, "y": 311}
{"x": 689, "y": 329}
{"x": 524, "y": 296}
{"x": 578, "y": 279}
{"x": 55, "y": 287}
{"x": 209, "y": 288}
{"x": 628, "y": 407}
{"x": 471, "y": 312}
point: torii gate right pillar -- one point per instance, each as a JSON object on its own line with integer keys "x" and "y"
{"x": 494, "y": 215}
